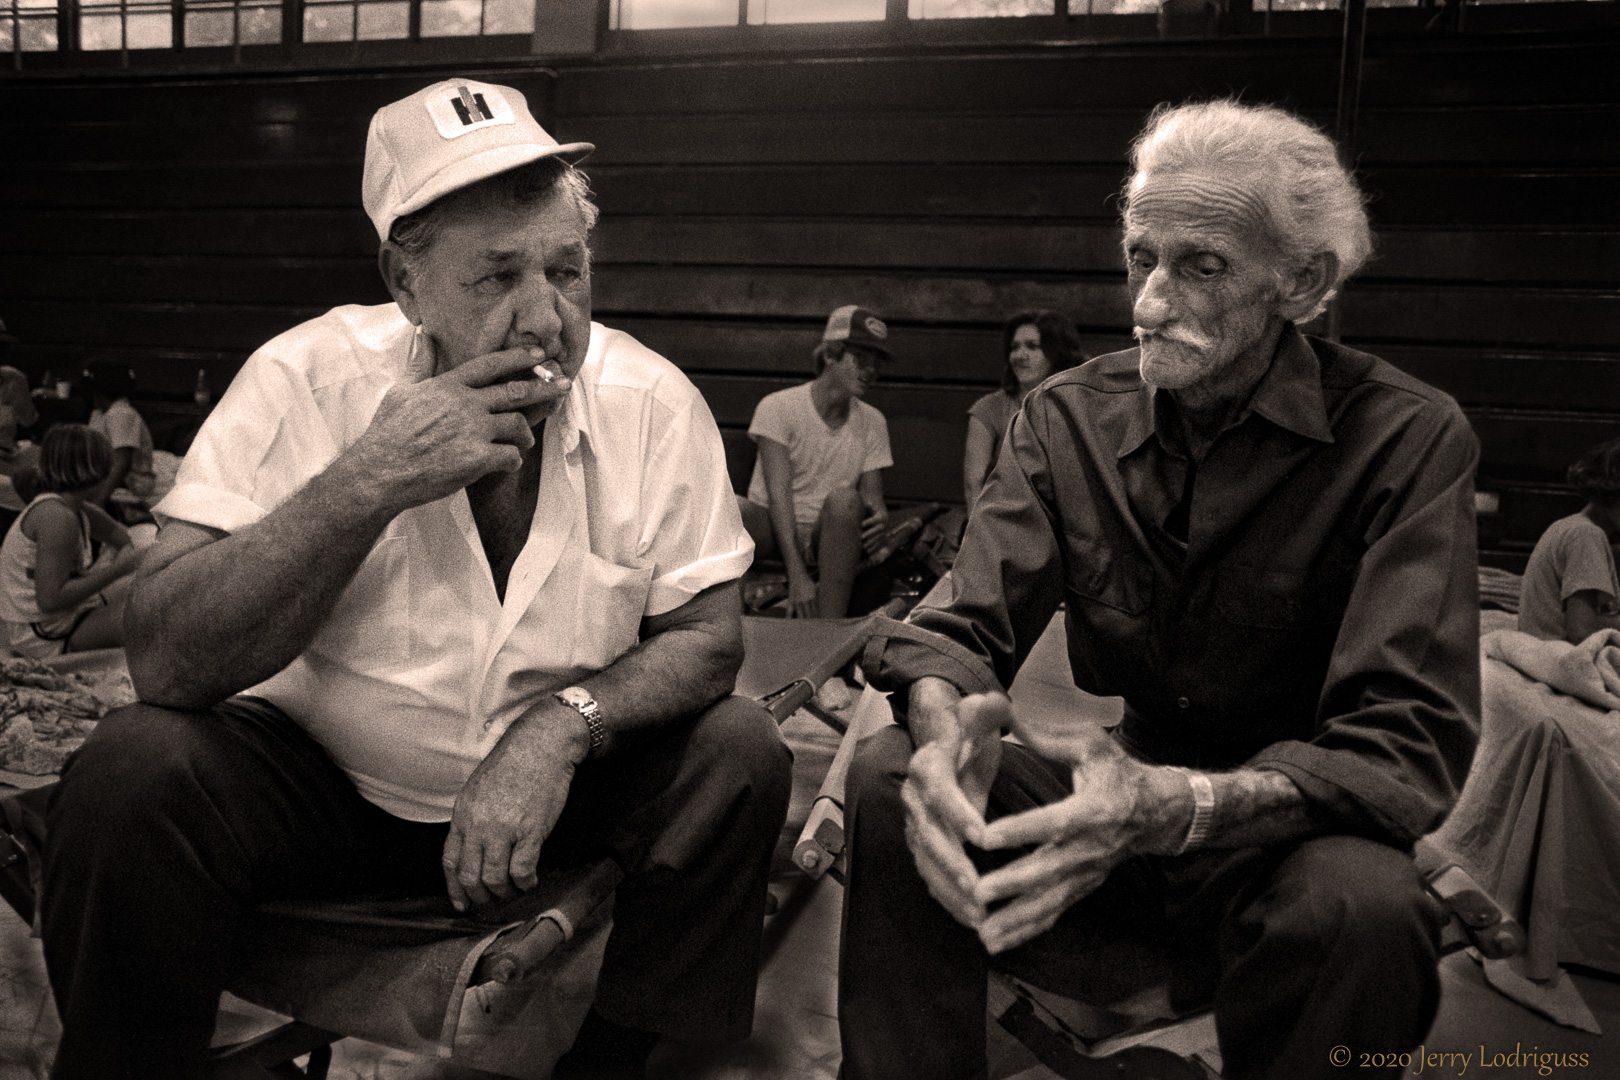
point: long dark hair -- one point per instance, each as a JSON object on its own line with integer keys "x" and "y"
{"x": 1060, "y": 341}
{"x": 1597, "y": 475}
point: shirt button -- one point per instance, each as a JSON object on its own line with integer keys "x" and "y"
{"x": 1183, "y": 702}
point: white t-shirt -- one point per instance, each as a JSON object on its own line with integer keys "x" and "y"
{"x": 420, "y": 668}
{"x": 823, "y": 458}
{"x": 1572, "y": 556}
{"x": 123, "y": 427}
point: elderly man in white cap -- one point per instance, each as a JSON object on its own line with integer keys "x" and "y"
{"x": 445, "y": 589}
{"x": 1265, "y": 544}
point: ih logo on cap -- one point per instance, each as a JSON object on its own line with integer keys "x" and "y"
{"x": 461, "y": 109}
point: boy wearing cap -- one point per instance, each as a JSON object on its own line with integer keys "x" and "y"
{"x": 472, "y": 559}
{"x": 816, "y": 496}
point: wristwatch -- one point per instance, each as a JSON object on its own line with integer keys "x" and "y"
{"x": 1203, "y": 811}
{"x": 579, "y": 699}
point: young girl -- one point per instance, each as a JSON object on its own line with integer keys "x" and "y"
{"x": 1570, "y": 590}
{"x": 51, "y": 596}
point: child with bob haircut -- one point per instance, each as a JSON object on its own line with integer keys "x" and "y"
{"x": 51, "y": 587}
{"x": 1570, "y": 590}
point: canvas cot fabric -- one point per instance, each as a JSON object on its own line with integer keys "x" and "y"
{"x": 421, "y": 667}
{"x": 823, "y": 458}
{"x": 1572, "y": 556}
{"x": 1304, "y": 599}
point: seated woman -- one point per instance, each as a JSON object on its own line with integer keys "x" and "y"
{"x": 1037, "y": 344}
{"x": 54, "y": 595}
{"x": 1570, "y": 590}
{"x": 109, "y": 386}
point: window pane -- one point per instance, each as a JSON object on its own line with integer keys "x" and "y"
{"x": 261, "y": 25}
{"x": 39, "y": 35}
{"x": 663, "y": 14}
{"x": 149, "y": 30}
{"x": 450, "y": 18}
{"x": 1118, "y": 7}
{"x": 328, "y": 22}
{"x": 508, "y": 16}
{"x": 389, "y": 20}
{"x": 806, "y": 11}
{"x": 100, "y": 32}
{"x": 208, "y": 28}
{"x": 977, "y": 9}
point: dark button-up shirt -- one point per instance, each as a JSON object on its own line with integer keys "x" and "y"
{"x": 1303, "y": 599}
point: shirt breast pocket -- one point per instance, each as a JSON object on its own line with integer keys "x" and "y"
{"x": 369, "y": 627}
{"x": 607, "y": 611}
{"x": 1103, "y": 575}
{"x": 1270, "y": 598}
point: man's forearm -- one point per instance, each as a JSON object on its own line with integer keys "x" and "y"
{"x": 676, "y": 671}
{"x": 1253, "y": 807}
{"x": 229, "y": 614}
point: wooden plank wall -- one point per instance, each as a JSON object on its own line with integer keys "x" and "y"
{"x": 182, "y": 222}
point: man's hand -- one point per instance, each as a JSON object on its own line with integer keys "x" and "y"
{"x": 510, "y": 804}
{"x": 432, "y": 437}
{"x": 946, "y": 789}
{"x": 802, "y": 598}
{"x": 1080, "y": 839}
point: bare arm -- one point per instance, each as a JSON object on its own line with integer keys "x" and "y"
{"x": 58, "y": 585}
{"x": 211, "y": 614}
{"x": 981, "y": 443}
{"x": 1584, "y": 615}
{"x": 123, "y": 459}
{"x": 688, "y": 658}
{"x": 778, "y": 470}
{"x": 876, "y": 520}
{"x": 104, "y": 528}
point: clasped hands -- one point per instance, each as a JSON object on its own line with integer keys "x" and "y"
{"x": 1077, "y": 841}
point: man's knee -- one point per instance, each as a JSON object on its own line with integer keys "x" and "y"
{"x": 876, "y": 775}
{"x": 738, "y": 739}
{"x": 1336, "y": 891}
{"x": 843, "y": 505}
{"x": 138, "y": 756}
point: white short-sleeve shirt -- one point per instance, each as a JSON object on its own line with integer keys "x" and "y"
{"x": 823, "y": 459}
{"x": 420, "y": 667}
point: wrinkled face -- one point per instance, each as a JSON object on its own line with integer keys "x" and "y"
{"x": 1027, "y": 358}
{"x": 1203, "y": 275}
{"x": 502, "y": 277}
{"x": 856, "y": 371}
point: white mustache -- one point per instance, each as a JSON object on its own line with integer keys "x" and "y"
{"x": 1180, "y": 335}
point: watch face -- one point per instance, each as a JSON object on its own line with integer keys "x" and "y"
{"x": 574, "y": 696}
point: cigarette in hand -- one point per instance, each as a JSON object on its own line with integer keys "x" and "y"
{"x": 546, "y": 371}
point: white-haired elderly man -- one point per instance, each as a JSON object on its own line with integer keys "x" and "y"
{"x": 445, "y": 589}
{"x": 1266, "y": 545}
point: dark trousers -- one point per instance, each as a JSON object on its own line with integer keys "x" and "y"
{"x": 1325, "y": 943}
{"x": 168, "y": 827}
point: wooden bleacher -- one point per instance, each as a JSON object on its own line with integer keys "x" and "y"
{"x": 180, "y": 220}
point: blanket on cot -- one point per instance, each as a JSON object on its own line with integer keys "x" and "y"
{"x": 1538, "y": 822}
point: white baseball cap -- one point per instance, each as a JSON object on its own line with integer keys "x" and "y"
{"x": 444, "y": 137}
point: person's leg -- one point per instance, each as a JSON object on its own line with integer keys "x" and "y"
{"x": 1338, "y": 946}
{"x": 102, "y": 628}
{"x": 757, "y": 520}
{"x": 838, "y": 550}
{"x": 911, "y": 979}
{"x": 165, "y": 828}
{"x": 694, "y": 817}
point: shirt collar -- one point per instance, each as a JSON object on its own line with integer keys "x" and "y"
{"x": 577, "y": 413}
{"x": 1289, "y": 394}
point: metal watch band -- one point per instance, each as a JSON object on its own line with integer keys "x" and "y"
{"x": 1203, "y": 811}
{"x": 580, "y": 700}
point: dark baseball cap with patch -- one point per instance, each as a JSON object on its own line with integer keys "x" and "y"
{"x": 858, "y": 326}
